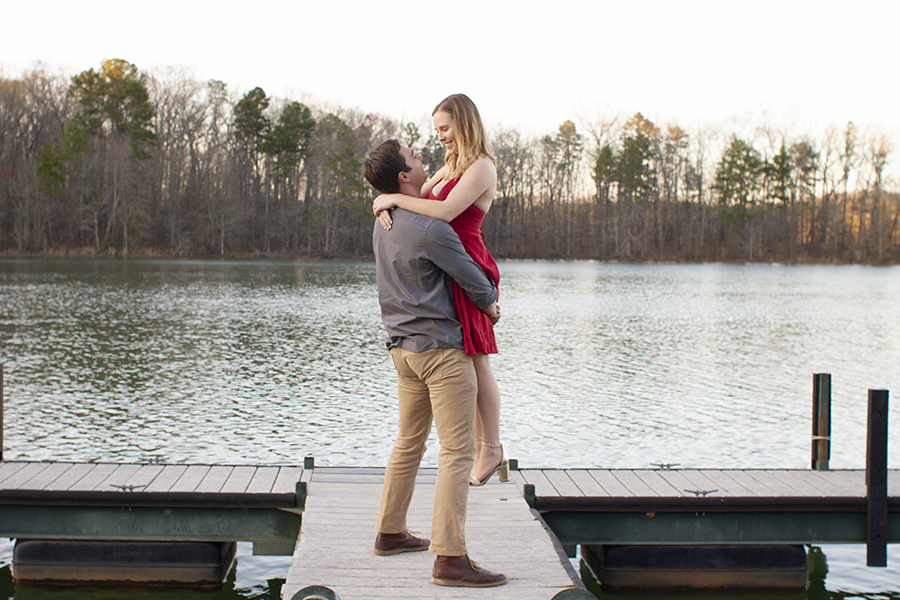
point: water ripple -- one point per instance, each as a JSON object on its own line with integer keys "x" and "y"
{"x": 600, "y": 365}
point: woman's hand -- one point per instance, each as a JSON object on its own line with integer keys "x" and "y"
{"x": 381, "y": 206}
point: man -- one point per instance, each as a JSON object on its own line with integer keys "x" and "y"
{"x": 416, "y": 263}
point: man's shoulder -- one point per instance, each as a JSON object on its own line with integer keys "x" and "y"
{"x": 414, "y": 231}
{"x": 405, "y": 218}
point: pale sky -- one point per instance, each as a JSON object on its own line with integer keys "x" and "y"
{"x": 801, "y": 65}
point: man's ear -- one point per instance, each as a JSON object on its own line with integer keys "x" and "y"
{"x": 403, "y": 177}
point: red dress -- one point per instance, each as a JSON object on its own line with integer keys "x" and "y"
{"x": 478, "y": 333}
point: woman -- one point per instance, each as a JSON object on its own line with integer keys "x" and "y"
{"x": 461, "y": 194}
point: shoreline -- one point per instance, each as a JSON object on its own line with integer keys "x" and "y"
{"x": 152, "y": 254}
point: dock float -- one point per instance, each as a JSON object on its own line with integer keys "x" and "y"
{"x": 335, "y": 547}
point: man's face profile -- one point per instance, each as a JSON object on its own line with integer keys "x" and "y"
{"x": 416, "y": 174}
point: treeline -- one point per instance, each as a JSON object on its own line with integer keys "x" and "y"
{"x": 117, "y": 162}
{"x": 629, "y": 189}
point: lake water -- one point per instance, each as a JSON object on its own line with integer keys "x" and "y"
{"x": 600, "y": 365}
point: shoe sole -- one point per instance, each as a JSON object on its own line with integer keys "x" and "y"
{"x": 398, "y": 551}
{"x": 457, "y": 583}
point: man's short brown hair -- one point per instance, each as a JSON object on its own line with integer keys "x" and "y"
{"x": 382, "y": 166}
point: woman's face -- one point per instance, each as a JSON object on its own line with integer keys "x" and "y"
{"x": 443, "y": 125}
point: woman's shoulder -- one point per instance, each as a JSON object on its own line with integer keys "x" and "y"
{"x": 482, "y": 170}
{"x": 482, "y": 167}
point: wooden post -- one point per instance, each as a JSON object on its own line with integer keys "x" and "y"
{"x": 300, "y": 495}
{"x": 876, "y": 480}
{"x": 1, "y": 412}
{"x": 821, "y": 421}
{"x": 529, "y": 494}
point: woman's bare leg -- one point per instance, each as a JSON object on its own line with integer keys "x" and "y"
{"x": 478, "y": 434}
{"x": 487, "y": 423}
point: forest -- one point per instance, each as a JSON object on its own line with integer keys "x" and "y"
{"x": 117, "y": 162}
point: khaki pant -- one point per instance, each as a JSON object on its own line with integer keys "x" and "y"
{"x": 439, "y": 383}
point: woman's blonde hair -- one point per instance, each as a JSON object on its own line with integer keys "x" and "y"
{"x": 468, "y": 131}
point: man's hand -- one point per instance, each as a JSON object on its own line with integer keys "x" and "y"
{"x": 493, "y": 311}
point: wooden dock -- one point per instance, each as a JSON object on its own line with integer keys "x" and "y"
{"x": 711, "y": 506}
{"x": 523, "y": 528}
{"x": 107, "y": 501}
{"x": 335, "y": 548}
{"x": 693, "y": 483}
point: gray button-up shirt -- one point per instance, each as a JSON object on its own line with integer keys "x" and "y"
{"x": 416, "y": 263}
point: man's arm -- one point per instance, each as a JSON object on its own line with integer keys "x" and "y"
{"x": 448, "y": 253}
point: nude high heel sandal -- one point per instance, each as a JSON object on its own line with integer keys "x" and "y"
{"x": 502, "y": 469}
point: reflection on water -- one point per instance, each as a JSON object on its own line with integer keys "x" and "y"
{"x": 233, "y": 363}
{"x": 703, "y": 365}
{"x": 600, "y": 365}
{"x": 609, "y": 365}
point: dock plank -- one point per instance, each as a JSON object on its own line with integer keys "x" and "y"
{"x": 658, "y": 482}
{"x": 723, "y": 480}
{"x": 335, "y": 550}
{"x": 191, "y": 479}
{"x": 144, "y": 476}
{"x": 854, "y": 481}
{"x": 94, "y": 477}
{"x": 854, "y": 486}
{"x": 518, "y": 479}
{"x": 587, "y": 484}
{"x": 561, "y": 481}
{"x": 793, "y": 480}
{"x": 46, "y": 477}
{"x": 215, "y": 478}
{"x": 356, "y": 471}
{"x": 345, "y": 478}
{"x": 542, "y": 485}
{"x": 8, "y": 469}
{"x": 287, "y": 479}
{"x": 71, "y": 477}
{"x": 118, "y": 478}
{"x": 686, "y": 481}
{"x": 893, "y": 483}
{"x": 239, "y": 479}
{"x": 25, "y": 474}
{"x": 263, "y": 480}
{"x": 816, "y": 480}
{"x": 758, "y": 488}
{"x": 609, "y": 483}
{"x": 306, "y": 476}
{"x": 633, "y": 483}
{"x": 167, "y": 478}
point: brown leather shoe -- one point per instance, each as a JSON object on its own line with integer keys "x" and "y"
{"x": 395, "y": 543}
{"x": 462, "y": 571}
